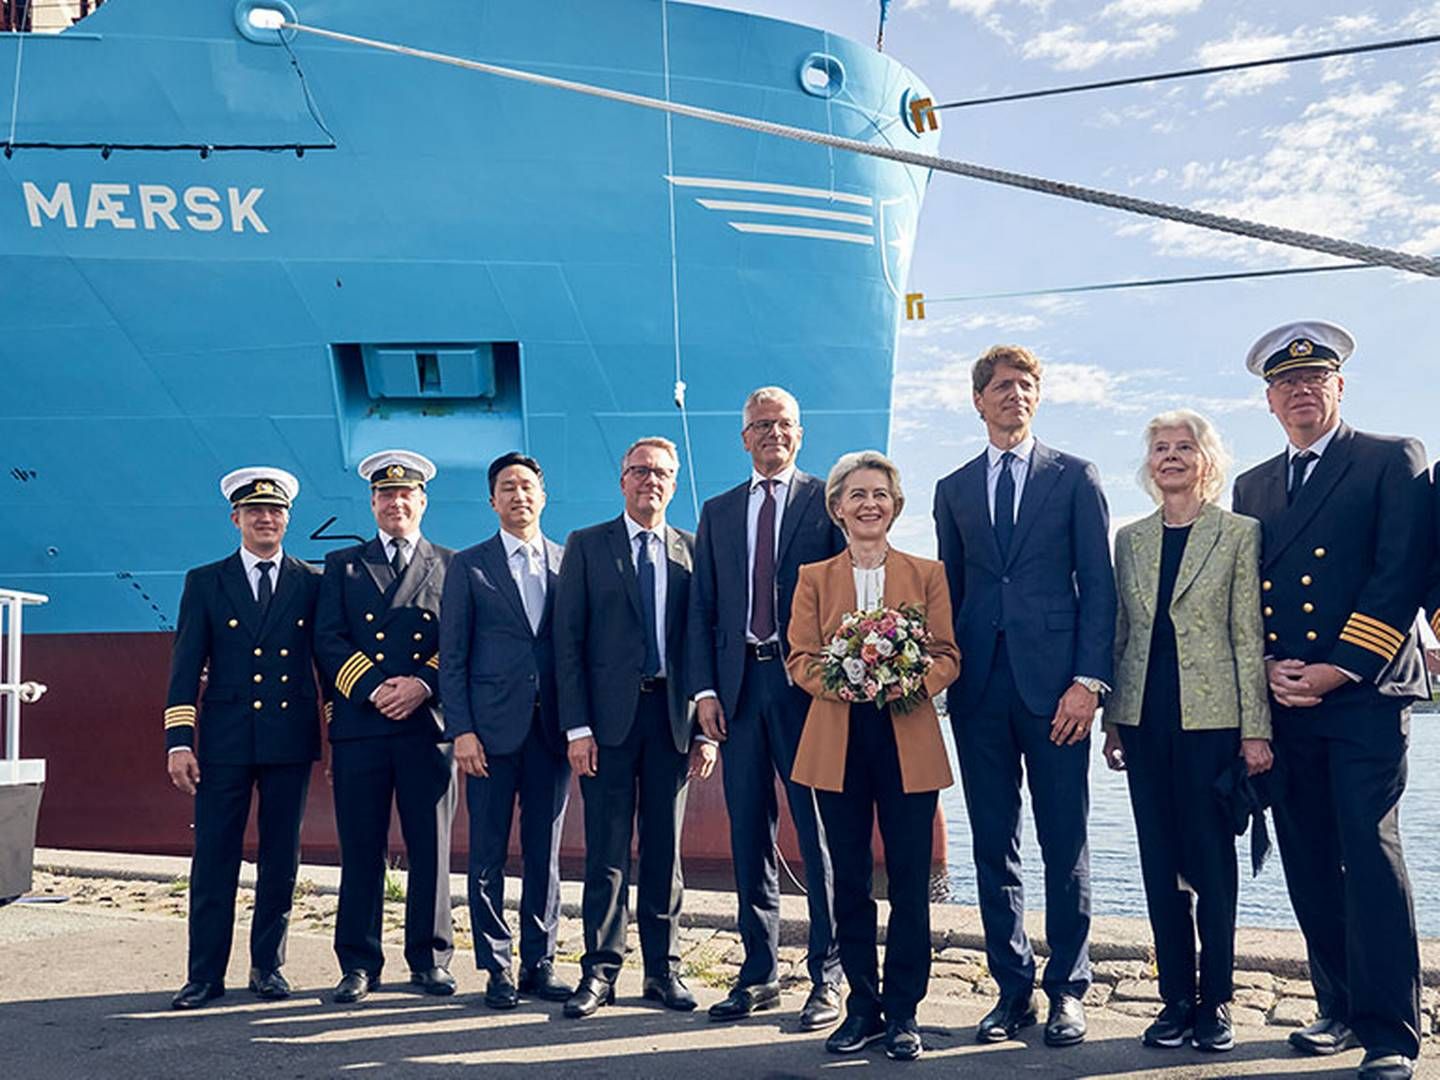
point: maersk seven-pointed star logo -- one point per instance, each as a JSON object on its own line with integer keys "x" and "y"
{"x": 897, "y": 240}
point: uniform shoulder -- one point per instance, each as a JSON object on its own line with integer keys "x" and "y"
{"x": 445, "y": 553}
{"x": 341, "y": 556}
{"x": 305, "y": 567}
{"x": 1388, "y": 445}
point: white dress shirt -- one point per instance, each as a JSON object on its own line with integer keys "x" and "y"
{"x": 388, "y": 543}
{"x": 252, "y": 562}
{"x": 657, "y": 554}
{"x": 1019, "y": 470}
{"x": 1317, "y": 448}
{"x": 517, "y": 553}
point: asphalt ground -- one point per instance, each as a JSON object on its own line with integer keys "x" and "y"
{"x": 86, "y": 992}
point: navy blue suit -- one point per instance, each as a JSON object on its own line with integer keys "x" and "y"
{"x": 1027, "y": 624}
{"x": 1343, "y": 571}
{"x": 497, "y": 682}
{"x": 764, "y": 714}
{"x": 371, "y": 626}
{"x": 258, "y": 731}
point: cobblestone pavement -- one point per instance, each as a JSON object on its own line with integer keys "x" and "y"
{"x": 712, "y": 957}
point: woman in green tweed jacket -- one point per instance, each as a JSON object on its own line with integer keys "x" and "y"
{"x": 1190, "y": 695}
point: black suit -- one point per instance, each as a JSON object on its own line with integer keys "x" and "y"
{"x": 764, "y": 714}
{"x": 497, "y": 680}
{"x": 643, "y": 736}
{"x": 371, "y": 626}
{"x": 1343, "y": 571}
{"x": 258, "y": 730}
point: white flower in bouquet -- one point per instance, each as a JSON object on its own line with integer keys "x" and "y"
{"x": 885, "y": 647}
{"x": 854, "y": 669}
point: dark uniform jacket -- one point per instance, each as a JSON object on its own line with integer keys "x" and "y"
{"x": 1343, "y": 569}
{"x": 1432, "y": 592}
{"x": 259, "y": 698}
{"x": 600, "y": 639}
{"x": 369, "y": 627}
{"x": 720, "y": 589}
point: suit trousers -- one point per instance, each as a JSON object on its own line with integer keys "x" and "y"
{"x": 540, "y": 782}
{"x": 222, "y": 808}
{"x": 762, "y": 738}
{"x": 1187, "y": 849}
{"x": 643, "y": 778}
{"x": 873, "y": 786}
{"x": 1337, "y": 822}
{"x": 418, "y": 776}
{"x": 998, "y": 743}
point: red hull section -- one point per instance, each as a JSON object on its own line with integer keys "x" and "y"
{"x": 99, "y": 728}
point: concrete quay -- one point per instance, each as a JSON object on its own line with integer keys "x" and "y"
{"x": 85, "y": 987}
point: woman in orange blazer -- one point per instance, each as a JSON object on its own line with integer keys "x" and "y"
{"x": 864, "y": 758}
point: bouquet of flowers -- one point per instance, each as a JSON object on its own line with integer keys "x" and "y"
{"x": 875, "y": 651}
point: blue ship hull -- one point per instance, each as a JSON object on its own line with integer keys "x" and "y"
{"x": 476, "y": 265}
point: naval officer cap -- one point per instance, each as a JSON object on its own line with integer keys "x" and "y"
{"x": 397, "y": 468}
{"x": 260, "y": 485}
{"x": 1310, "y": 344}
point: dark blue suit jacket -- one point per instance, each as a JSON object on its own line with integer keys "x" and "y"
{"x": 493, "y": 668}
{"x": 1054, "y": 596}
{"x": 720, "y": 589}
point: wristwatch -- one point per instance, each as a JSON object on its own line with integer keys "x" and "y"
{"x": 1095, "y": 686}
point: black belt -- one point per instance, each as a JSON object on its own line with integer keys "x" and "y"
{"x": 652, "y": 684}
{"x": 763, "y": 651}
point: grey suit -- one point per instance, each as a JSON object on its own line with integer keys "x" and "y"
{"x": 643, "y": 728}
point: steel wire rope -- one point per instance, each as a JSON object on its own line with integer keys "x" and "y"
{"x": 1367, "y": 253}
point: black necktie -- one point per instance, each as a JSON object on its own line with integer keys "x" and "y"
{"x": 1005, "y": 504}
{"x": 646, "y": 575}
{"x": 397, "y": 561}
{"x": 267, "y": 590}
{"x": 1298, "y": 464}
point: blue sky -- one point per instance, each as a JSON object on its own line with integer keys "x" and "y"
{"x": 1349, "y": 148}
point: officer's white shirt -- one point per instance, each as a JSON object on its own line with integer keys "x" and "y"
{"x": 1317, "y": 448}
{"x": 412, "y": 540}
{"x": 252, "y": 562}
{"x": 1019, "y": 470}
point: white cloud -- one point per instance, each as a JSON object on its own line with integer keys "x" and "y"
{"x": 1070, "y": 49}
{"x": 1136, "y": 10}
{"x": 1009, "y": 323}
{"x": 1079, "y": 384}
{"x": 1244, "y": 43}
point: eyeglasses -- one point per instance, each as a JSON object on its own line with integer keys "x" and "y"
{"x": 641, "y": 472}
{"x": 1309, "y": 380}
{"x": 765, "y": 427}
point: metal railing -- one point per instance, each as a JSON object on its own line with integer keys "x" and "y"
{"x": 42, "y": 16}
{"x": 13, "y": 691}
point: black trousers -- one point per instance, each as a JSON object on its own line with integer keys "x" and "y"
{"x": 222, "y": 807}
{"x": 539, "y": 782}
{"x": 644, "y": 778}
{"x": 762, "y": 738}
{"x": 873, "y": 785}
{"x": 998, "y": 743}
{"x": 1186, "y": 843}
{"x": 416, "y": 775}
{"x": 1338, "y": 826}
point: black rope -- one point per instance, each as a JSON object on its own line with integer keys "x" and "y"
{"x": 1187, "y": 73}
{"x": 305, "y": 89}
{"x": 1149, "y": 283}
{"x": 204, "y": 149}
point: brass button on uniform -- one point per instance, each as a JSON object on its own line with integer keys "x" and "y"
{"x": 284, "y": 652}
{"x": 1319, "y": 553}
{"x": 1305, "y": 579}
{"x": 425, "y": 615}
{"x": 259, "y": 652}
{"x": 1266, "y": 585}
{"x": 299, "y": 622}
{"x": 257, "y": 705}
{"x": 259, "y": 677}
{"x": 1272, "y": 636}
{"x": 234, "y": 623}
{"x": 1310, "y": 635}
{"x": 419, "y": 637}
{"x": 379, "y": 635}
{"x": 415, "y": 656}
{"x": 369, "y": 617}
{"x": 284, "y": 678}
{"x": 1269, "y": 611}
{"x": 284, "y": 704}
{"x": 379, "y": 656}
{"x": 1307, "y": 607}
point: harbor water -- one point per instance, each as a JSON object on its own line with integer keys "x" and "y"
{"x": 1115, "y": 860}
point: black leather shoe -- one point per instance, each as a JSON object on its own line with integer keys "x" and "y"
{"x": 902, "y": 1040}
{"x": 195, "y": 994}
{"x": 1066, "y": 1023}
{"x": 354, "y": 986}
{"x": 822, "y": 1007}
{"x": 436, "y": 981}
{"x": 540, "y": 982}
{"x": 1383, "y": 1065}
{"x": 269, "y": 985}
{"x": 744, "y": 1000}
{"x": 1214, "y": 1030}
{"x": 1172, "y": 1027}
{"x": 1005, "y": 1019}
{"x": 670, "y": 990}
{"x": 501, "y": 992}
{"x": 856, "y": 1033}
{"x": 1324, "y": 1037}
{"x": 592, "y": 993}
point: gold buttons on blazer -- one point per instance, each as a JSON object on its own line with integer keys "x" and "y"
{"x": 1305, "y": 579}
{"x": 1269, "y": 611}
{"x": 1310, "y": 635}
{"x": 259, "y": 677}
{"x": 425, "y": 615}
{"x": 233, "y": 623}
{"x": 257, "y": 705}
{"x": 1319, "y": 553}
{"x": 284, "y": 678}
{"x": 369, "y": 617}
{"x": 1307, "y": 607}
{"x": 299, "y": 622}
{"x": 1267, "y": 585}
{"x": 379, "y": 635}
{"x": 284, "y": 652}
{"x": 419, "y": 637}
{"x": 379, "y": 656}
{"x": 1272, "y": 636}
{"x": 415, "y": 656}
{"x": 284, "y": 704}
{"x": 259, "y": 652}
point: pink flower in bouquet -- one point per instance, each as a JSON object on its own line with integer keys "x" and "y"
{"x": 869, "y": 654}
